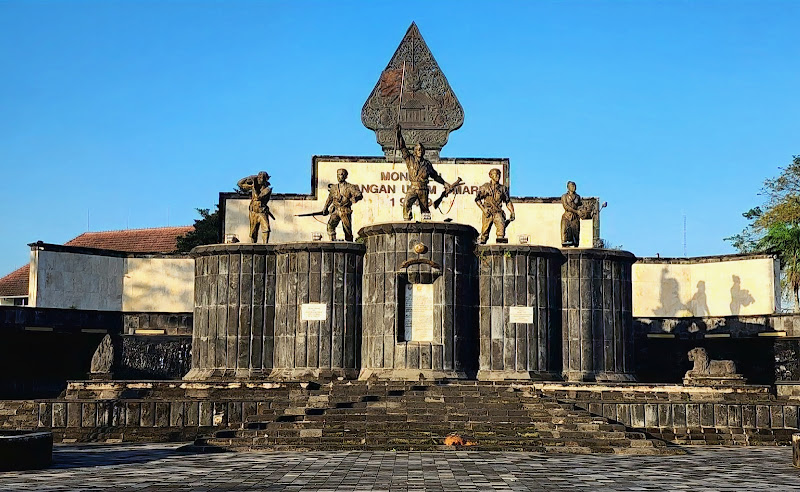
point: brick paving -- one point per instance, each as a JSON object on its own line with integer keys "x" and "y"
{"x": 161, "y": 467}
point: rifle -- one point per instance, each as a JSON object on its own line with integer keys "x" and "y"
{"x": 310, "y": 214}
{"x": 447, "y": 190}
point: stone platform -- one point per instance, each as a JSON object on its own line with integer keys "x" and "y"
{"x": 376, "y": 414}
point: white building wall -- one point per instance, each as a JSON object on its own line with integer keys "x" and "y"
{"x": 67, "y": 280}
{"x": 76, "y": 281}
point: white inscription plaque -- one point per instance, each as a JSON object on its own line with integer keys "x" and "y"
{"x": 520, "y": 314}
{"x": 419, "y": 313}
{"x": 314, "y": 311}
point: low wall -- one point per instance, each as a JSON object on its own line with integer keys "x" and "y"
{"x": 689, "y": 415}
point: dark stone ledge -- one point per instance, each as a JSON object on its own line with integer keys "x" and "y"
{"x": 417, "y": 227}
{"x": 704, "y": 259}
{"x": 337, "y": 247}
{"x": 529, "y": 249}
{"x": 600, "y": 254}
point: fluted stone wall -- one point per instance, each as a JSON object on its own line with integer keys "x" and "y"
{"x": 234, "y": 314}
{"x": 597, "y": 322}
{"x": 448, "y": 264}
{"x": 519, "y": 277}
{"x": 325, "y": 273}
{"x": 248, "y": 304}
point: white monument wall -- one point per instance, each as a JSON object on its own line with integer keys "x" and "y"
{"x": 383, "y": 189}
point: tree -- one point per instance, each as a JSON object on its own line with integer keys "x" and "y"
{"x": 206, "y": 231}
{"x": 783, "y": 240}
{"x": 775, "y": 227}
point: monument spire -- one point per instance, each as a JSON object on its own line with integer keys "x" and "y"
{"x": 422, "y": 100}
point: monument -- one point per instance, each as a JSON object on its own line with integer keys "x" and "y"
{"x": 414, "y": 327}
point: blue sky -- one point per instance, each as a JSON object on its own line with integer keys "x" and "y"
{"x": 140, "y": 111}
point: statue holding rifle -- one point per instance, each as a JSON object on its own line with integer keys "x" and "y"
{"x": 420, "y": 171}
{"x": 260, "y": 193}
{"x": 490, "y": 198}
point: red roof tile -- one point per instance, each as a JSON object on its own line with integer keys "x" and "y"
{"x": 15, "y": 283}
{"x": 155, "y": 240}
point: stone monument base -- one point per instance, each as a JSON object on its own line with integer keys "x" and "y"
{"x": 410, "y": 374}
{"x": 715, "y": 381}
{"x": 313, "y": 374}
{"x": 197, "y": 374}
{"x": 489, "y": 375}
{"x": 600, "y": 377}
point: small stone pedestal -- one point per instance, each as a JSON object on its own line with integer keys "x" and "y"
{"x": 596, "y": 312}
{"x": 420, "y": 316}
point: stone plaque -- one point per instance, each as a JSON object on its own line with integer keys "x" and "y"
{"x": 520, "y": 314}
{"x": 314, "y": 311}
{"x": 419, "y": 313}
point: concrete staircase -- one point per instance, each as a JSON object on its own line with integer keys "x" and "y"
{"x": 420, "y": 416}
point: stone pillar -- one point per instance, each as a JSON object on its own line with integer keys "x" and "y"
{"x": 419, "y": 311}
{"x": 249, "y": 307}
{"x": 520, "y": 283}
{"x": 326, "y": 277}
{"x": 234, "y": 299}
{"x": 597, "y": 322}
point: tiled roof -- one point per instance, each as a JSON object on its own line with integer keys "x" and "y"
{"x": 15, "y": 283}
{"x": 154, "y": 240}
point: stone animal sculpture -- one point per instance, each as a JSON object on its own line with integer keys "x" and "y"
{"x": 704, "y": 367}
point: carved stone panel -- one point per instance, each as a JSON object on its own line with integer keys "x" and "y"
{"x": 414, "y": 92}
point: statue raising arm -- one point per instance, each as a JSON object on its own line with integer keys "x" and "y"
{"x": 247, "y": 183}
{"x": 401, "y": 143}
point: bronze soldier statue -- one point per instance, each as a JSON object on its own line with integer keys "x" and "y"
{"x": 490, "y": 198}
{"x": 260, "y": 193}
{"x": 420, "y": 170}
{"x": 341, "y": 197}
{"x": 574, "y": 211}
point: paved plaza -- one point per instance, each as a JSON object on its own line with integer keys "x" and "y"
{"x": 161, "y": 467}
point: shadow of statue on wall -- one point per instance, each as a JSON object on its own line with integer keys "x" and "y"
{"x": 739, "y": 297}
{"x": 698, "y": 304}
{"x": 669, "y": 296}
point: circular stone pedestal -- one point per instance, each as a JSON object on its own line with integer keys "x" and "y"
{"x": 520, "y": 302}
{"x": 596, "y": 315}
{"x": 282, "y": 311}
{"x": 419, "y": 314}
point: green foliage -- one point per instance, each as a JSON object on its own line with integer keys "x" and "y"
{"x": 783, "y": 240}
{"x": 206, "y": 231}
{"x": 606, "y": 244}
{"x": 775, "y": 227}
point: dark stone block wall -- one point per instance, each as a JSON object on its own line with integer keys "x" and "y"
{"x": 248, "y": 299}
{"x": 449, "y": 263}
{"x": 151, "y": 356}
{"x": 318, "y": 272}
{"x": 519, "y": 275}
{"x": 234, "y": 312}
{"x": 597, "y": 321}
